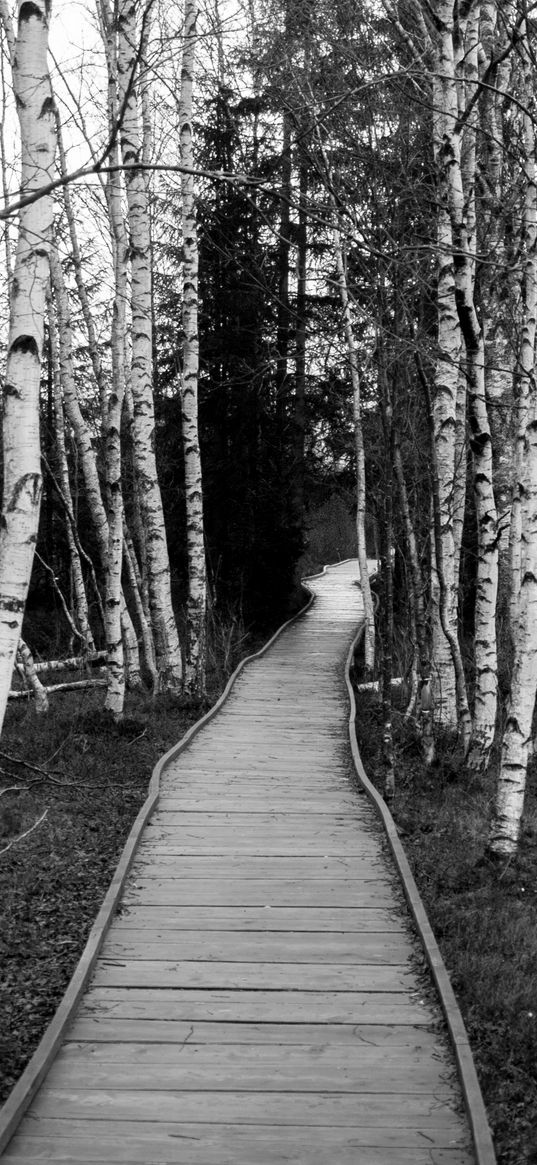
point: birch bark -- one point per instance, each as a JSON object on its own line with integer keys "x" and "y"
{"x": 22, "y": 468}
{"x": 369, "y": 639}
{"x": 525, "y": 367}
{"x": 88, "y": 462}
{"x": 460, "y": 167}
{"x": 77, "y": 576}
{"x": 509, "y": 802}
{"x": 26, "y": 661}
{"x": 444, "y": 592}
{"x": 197, "y": 580}
{"x": 143, "y": 427}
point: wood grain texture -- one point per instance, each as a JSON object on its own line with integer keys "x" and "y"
{"x": 256, "y": 999}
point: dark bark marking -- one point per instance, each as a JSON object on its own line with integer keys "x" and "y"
{"x": 30, "y": 482}
{"x": 11, "y": 390}
{"x": 28, "y": 10}
{"x": 15, "y": 605}
{"x": 47, "y": 107}
{"x": 479, "y": 442}
{"x": 23, "y": 346}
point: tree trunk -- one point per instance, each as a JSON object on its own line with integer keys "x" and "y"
{"x": 416, "y": 592}
{"x": 197, "y": 578}
{"x": 446, "y": 379}
{"x": 26, "y": 660}
{"x": 509, "y": 803}
{"x": 437, "y": 550}
{"x": 299, "y": 404}
{"x": 460, "y": 175}
{"x": 158, "y": 566}
{"x": 22, "y": 468}
{"x": 369, "y": 642}
{"x": 525, "y": 367}
{"x": 77, "y": 576}
{"x": 88, "y": 462}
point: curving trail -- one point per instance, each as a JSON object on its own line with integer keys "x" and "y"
{"x": 256, "y": 999}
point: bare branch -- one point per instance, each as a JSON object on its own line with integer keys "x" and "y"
{"x": 27, "y": 832}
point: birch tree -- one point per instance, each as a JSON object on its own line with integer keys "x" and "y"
{"x": 510, "y": 792}
{"x": 22, "y": 467}
{"x": 197, "y": 584}
{"x": 130, "y": 52}
{"x": 77, "y": 576}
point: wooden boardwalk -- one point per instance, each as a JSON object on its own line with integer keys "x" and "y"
{"x": 256, "y": 999}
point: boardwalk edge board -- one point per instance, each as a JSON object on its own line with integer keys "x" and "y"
{"x": 36, "y": 1070}
{"x": 473, "y": 1099}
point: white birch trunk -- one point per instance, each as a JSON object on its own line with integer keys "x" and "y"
{"x": 455, "y": 84}
{"x": 88, "y": 464}
{"x": 525, "y": 370}
{"x": 446, "y": 380}
{"x": 460, "y": 168}
{"x": 79, "y": 426}
{"x": 517, "y": 738}
{"x": 459, "y": 480}
{"x": 133, "y": 575}
{"x": 197, "y": 577}
{"x": 26, "y": 660}
{"x": 77, "y": 576}
{"x": 158, "y": 568}
{"x": 509, "y": 804}
{"x": 115, "y": 693}
{"x": 365, "y": 585}
{"x": 76, "y": 260}
{"x": 22, "y": 468}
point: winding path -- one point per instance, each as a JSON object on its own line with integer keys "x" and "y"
{"x": 258, "y": 997}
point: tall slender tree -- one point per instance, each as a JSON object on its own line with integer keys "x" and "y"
{"x": 22, "y": 465}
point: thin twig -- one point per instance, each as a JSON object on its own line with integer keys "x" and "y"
{"x": 28, "y": 765}
{"x": 15, "y": 840}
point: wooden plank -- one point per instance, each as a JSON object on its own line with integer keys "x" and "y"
{"x": 128, "y": 1031}
{"x": 259, "y": 1006}
{"x": 140, "y": 1143}
{"x": 260, "y": 918}
{"x": 258, "y": 892}
{"x": 305, "y": 822}
{"x": 285, "y": 946}
{"x": 257, "y": 846}
{"x": 288, "y": 826}
{"x": 218, "y": 799}
{"x": 428, "y": 1110}
{"x": 151, "y": 864}
{"x": 149, "y": 973}
{"x": 258, "y": 1068}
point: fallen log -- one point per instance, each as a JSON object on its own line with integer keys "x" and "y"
{"x": 76, "y": 685}
{"x": 73, "y": 663}
{"x": 373, "y": 685}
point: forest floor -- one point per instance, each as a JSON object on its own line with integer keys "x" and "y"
{"x": 484, "y": 918}
{"x": 73, "y": 782}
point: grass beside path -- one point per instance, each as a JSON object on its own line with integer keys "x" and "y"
{"x": 484, "y": 919}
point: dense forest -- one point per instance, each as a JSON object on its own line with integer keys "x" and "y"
{"x": 270, "y": 297}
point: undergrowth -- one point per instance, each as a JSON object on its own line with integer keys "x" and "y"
{"x": 484, "y": 918}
